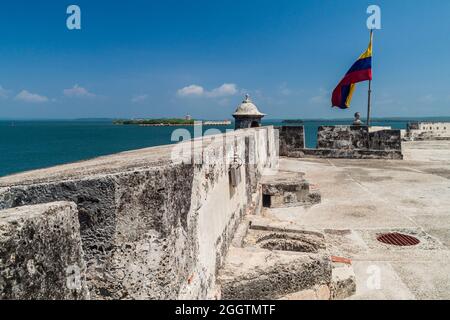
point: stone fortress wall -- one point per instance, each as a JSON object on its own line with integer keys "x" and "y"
{"x": 106, "y": 224}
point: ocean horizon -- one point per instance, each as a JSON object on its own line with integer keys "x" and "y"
{"x": 34, "y": 144}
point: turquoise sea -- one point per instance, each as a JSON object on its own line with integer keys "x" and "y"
{"x": 27, "y": 145}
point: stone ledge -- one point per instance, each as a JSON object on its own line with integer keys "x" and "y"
{"x": 258, "y": 274}
{"x": 345, "y": 154}
{"x": 265, "y": 224}
{"x": 321, "y": 292}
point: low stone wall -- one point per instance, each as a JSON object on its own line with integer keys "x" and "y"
{"x": 155, "y": 223}
{"x": 342, "y": 137}
{"x": 358, "y": 138}
{"x": 353, "y": 142}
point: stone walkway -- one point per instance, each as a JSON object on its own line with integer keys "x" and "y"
{"x": 363, "y": 198}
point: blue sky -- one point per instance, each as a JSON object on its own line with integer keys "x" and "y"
{"x": 174, "y": 57}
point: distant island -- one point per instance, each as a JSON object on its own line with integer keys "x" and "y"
{"x": 170, "y": 122}
{"x": 293, "y": 121}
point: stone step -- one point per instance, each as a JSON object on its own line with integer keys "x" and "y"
{"x": 343, "y": 286}
{"x": 259, "y": 274}
{"x": 269, "y": 261}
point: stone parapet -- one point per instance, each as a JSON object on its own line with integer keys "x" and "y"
{"x": 343, "y": 137}
{"x": 156, "y": 223}
{"x": 350, "y": 142}
{"x": 358, "y": 138}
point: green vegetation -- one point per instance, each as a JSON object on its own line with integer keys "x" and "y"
{"x": 156, "y": 122}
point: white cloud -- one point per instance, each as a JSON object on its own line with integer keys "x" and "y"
{"x": 78, "y": 92}
{"x": 225, "y": 90}
{"x": 139, "y": 98}
{"x": 192, "y": 90}
{"x": 26, "y": 96}
{"x": 3, "y": 93}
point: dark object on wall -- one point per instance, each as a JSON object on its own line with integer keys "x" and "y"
{"x": 357, "y": 121}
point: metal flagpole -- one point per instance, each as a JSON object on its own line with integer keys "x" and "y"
{"x": 369, "y": 101}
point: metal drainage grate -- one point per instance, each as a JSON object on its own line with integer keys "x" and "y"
{"x": 398, "y": 239}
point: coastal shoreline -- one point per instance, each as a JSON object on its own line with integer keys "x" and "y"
{"x": 206, "y": 123}
{"x": 172, "y": 122}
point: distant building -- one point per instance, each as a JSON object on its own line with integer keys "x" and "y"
{"x": 247, "y": 115}
{"x": 217, "y": 123}
{"x": 428, "y": 130}
{"x": 188, "y": 117}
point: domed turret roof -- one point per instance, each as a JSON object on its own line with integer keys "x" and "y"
{"x": 247, "y": 108}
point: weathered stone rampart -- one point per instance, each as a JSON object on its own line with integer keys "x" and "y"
{"x": 154, "y": 223}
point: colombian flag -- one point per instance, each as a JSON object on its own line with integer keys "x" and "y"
{"x": 360, "y": 71}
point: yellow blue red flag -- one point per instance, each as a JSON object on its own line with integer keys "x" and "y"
{"x": 360, "y": 71}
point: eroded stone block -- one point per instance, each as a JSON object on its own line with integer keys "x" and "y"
{"x": 40, "y": 253}
{"x": 258, "y": 274}
{"x": 343, "y": 284}
{"x": 291, "y": 138}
